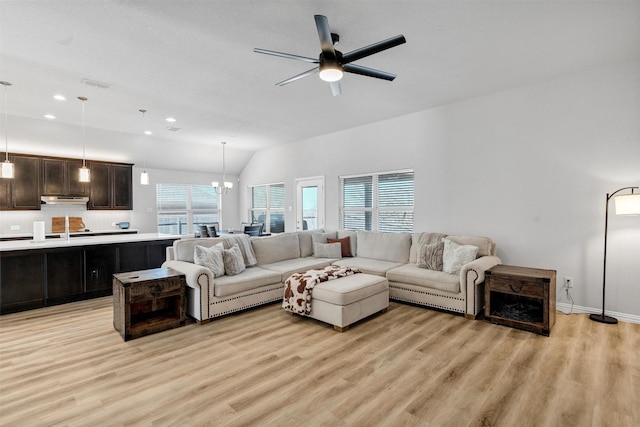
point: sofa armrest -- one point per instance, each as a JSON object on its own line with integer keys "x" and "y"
{"x": 471, "y": 276}
{"x": 169, "y": 254}
{"x": 200, "y": 279}
{"x": 474, "y": 271}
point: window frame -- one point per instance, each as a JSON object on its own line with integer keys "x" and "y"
{"x": 188, "y": 211}
{"x": 268, "y": 210}
{"x": 375, "y": 209}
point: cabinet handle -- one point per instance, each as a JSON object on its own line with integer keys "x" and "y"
{"x": 514, "y": 289}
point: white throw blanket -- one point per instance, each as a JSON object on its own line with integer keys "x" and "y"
{"x": 298, "y": 287}
{"x": 244, "y": 242}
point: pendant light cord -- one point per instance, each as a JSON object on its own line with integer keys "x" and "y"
{"x": 6, "y": 138}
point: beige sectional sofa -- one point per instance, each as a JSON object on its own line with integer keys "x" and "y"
{"x": 391, "y": 255}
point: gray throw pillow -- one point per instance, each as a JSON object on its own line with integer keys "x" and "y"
{"x": 327, "y": 250}
{"x": 455, "y": 256}
{"x": 233, "y": 261}
{"x": 430, "y": 256}
{"x": 210, "y": 258}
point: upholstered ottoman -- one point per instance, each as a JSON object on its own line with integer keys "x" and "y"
{"x": 346, "y": 300}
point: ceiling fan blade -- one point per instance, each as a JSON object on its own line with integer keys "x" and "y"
{"x": 287, "y": 55}
{"x": 324, "y": 32}
{"x": 335, "y": 88}
{"x": 366, "y": 71}
{"x": 299, "y": 76}
{"x": 354, "y": 55}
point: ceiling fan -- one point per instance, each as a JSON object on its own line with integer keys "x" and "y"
{"x": 333, "y": 63}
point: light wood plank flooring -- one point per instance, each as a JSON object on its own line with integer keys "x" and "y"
{"x": 66, "y": 365}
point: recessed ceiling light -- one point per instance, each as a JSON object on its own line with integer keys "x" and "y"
{"x": 148, "y": 132}
{"x": 49, "y": 116}
{"x": 59, "y": 97}
{"x": 170, "y": 119}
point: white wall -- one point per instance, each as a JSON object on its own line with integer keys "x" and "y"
{"x": 529, "y": 168}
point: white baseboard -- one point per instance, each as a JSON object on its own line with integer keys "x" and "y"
{"x": 566, "y": 308}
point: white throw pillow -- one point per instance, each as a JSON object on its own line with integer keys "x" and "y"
{"x": 327, "y": 250}
{"x": 455, "y": 256}
{"x": 210, "y": 258}
{"x": 233, "y": 260}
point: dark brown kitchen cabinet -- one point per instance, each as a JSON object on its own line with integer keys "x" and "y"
{"x": 61, "y": 177}
{"x": 26, "y": 272}
{"x": 22, "y": 192}
{"x": 42, "y": 277}
{"x": 101, "y": 263}
{"x": 64, "y": 275}
{"x": 111, "y": 186}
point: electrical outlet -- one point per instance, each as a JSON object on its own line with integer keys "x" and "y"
{"x": 568, "y": 282}
{"x": 15, "y": 228}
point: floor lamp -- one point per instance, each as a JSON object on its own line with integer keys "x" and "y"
{"x": 628, "y": 204}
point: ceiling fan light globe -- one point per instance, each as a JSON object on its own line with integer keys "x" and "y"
{"x": 331, "y": 72}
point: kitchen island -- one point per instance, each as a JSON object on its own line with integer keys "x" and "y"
{"x": 60, "y": 270}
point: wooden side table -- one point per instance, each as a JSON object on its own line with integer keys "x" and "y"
{"x": 148, "y": 301}
{"x": 521, "y": 297}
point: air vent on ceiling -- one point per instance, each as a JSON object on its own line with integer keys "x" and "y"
{"x": 96, "y": 83}
{"x": 173, "y": 129}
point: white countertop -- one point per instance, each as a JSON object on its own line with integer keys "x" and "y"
{"x": 20, "y": 245}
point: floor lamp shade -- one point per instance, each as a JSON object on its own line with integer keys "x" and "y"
{"x": 628, "y": 204}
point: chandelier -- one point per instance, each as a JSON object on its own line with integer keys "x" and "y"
{"x": 226, "y": 185}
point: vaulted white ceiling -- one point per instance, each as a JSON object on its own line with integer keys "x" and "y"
{"x": 194, "y": 60}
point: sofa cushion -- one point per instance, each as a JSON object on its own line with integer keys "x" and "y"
{"x": 392, "y": 247}
{"x": 306, "y": 243}
{"x": 276, "y": 248}
{"x": 317, "y": 237}
{"x": 233, "y": 261}
{"x": 184, "y": 248}
{"x": 367, "y": 265}
{"x": 297, "y": 265}
{"x": 345, "y": 245}
{"x": 250, "y": 278}
{"x": 349, "y": 289}
{"x": 484, "y": 244}
{"x": 414, "y": 275}
{"x": 419, "y": 239}
{"x": 327, "y": 250}
{"x": 353, "y": 240}
{"x": 455, "y": 256}
{"x": 430, "y": 256}
{"x": 210, "y": 258}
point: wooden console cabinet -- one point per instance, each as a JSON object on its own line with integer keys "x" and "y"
{"x": 521, "y": 297}
{"x": 148, "y": 301}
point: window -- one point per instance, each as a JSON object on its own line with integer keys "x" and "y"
{"x": 377, "y": 202}
{"x": 181, "y": 206}
{"x": 267, "y": 207}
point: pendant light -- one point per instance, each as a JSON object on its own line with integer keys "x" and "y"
{"x": 226, "y": 185}
{"x": 144, "y": 176}
{"x": 84, "y": 171}
{"x": 7, "y": 166}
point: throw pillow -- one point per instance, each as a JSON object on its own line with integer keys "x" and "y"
{"x": 345, "y": 243}
{"x": 430, "y": 256}
{"x": 210, "y": 258}
{"x": 327, "y": 250}
{"x": 322, "y": 237}
{"x": 455, "y": 256}
{"x": 233, "y": 261}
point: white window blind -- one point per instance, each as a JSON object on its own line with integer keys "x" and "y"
{"x": 267, "y": 206}
{"x": 377, "y": 202}
{"x": 182, "y": 206}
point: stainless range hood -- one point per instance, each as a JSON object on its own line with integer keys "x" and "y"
{"x": 64, "y": 200}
